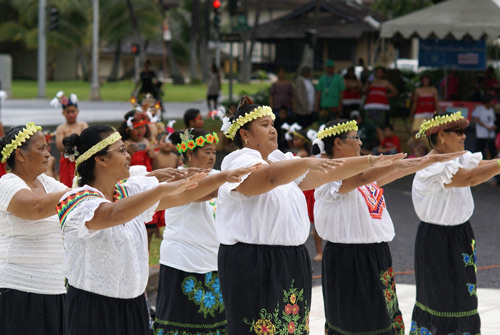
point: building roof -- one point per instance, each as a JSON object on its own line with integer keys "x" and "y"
{"x": 330, "y": 18}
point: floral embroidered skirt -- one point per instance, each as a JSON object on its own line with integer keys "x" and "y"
{"x": 189, "y": 304}
{"x": 30, "y": 313}
{"x": 359, "y": 290}
{"x": 267, "y": 289}
{"x": 91, "y": 313}
{"x": 445, "y": 270}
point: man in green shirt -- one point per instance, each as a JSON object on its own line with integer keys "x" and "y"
{"x": 329, "y": 95}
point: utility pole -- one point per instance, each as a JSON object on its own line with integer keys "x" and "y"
{"x": 94, "y": 86}
{"x": 42, "y": 49}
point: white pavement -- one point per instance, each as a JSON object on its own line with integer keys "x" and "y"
{"x": 14, "y": 112}
{"x": 489, "y": 309}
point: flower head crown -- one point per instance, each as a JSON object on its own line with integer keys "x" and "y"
{"x": 60, "y": 98}
{"x": 442, "y": 122}
{"x": 188, "y": 143}
{"x": 20, "y": 138}
{"x": 338, "y": 129}
{"x": 230, "y": 128}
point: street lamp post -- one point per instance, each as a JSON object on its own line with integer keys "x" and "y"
{"x": 94, "y": 86}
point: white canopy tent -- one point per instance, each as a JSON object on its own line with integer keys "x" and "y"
{"x": 458, "y": 18}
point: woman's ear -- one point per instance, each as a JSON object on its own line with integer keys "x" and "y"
{"x": 101, "y": 161}
{"x": 338, "y": 144}
{"x": 20, "y": 156}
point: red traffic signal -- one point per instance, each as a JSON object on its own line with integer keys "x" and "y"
{"x": 135, "y": 49}
{"x": 216, "y": 4}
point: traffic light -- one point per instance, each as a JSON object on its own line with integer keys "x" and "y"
{"x": 216, "y": 6}
{"x": 53, "y": 18}
{"x": 135, "y": 49}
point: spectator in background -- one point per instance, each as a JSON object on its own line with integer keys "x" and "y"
{"x": 450, "y": 90}
{"x": 281, "y": 93}
{"x": 390, "y": 144}
{"x": 282, "y": 118}
{"x": 304, "y": 98}
{"x": 484, "y": 118}
{"x": 193, "y": 118}
{"x": 352, "y": 93}
{"x": 213, "y": 88}
{"x": 491, "y": 85}
{"x": 148, "y": 81}
{"x": 425, "y": 103}
{"x": 368, "y": 133}
{"x": 329, "y": 94}
{"x": 378, "y": 92}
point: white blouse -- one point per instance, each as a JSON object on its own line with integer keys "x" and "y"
{"x": 114, "y": 261}
{"x": 189, "y": 240}
{"x": 31, "y": 251}
{"x": 359, "y": 216}
{"x": 277, "y": 217}
{"x": 435, "y": 203}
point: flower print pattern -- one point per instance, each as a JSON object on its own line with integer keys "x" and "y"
{"x": 206, "y": 294}
{"x": 471, "y": 259}
{"x": 472, "y": 289}
{"x": 286, "y": 317}
{"x": 389, "y": 284}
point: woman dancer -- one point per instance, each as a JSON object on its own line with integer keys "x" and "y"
{"x": 445, "y": 247}
{"x": 425, "y": 103}
{"x": 32, "y": 292}
{"x": 351, "y": 215}
{"x": 188, "y": 252}
{"x": 262, "y": 224}
{"x": 106, "y": 261}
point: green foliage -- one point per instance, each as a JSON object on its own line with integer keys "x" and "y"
{"x": 397, "y": 8}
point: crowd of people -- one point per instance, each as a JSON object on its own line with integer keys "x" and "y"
{"x": 232, "y": 255}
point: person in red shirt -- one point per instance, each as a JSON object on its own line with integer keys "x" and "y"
{"x": 390, "y": 143}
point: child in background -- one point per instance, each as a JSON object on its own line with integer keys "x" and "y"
{"x": 416, "y": 146}
{"x": 281, "y": 119}
{"x": 135, "y": 134}
{"x": 390, "y": 143}
{"x": 71, "y": 126}
{"x": 166, "y": 156}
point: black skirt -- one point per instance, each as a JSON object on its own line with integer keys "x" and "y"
{"x": 359, "y": 290}
{"x": 266, "y": 289}
{"x": 91, "y": 313}
{"x": 31, "y": 313}
{"x": 445, "y": 270}
{"x": 189, "y": 304}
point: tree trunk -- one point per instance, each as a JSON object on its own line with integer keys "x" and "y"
{"x": 113, "y": 74}
{"x": 246, "y": 65}
{"x": 84, "y": 65}
{"x": 174, "y": 67}
{"x": 193, "y": 44}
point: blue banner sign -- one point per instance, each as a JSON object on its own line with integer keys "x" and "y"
{"x": 452, "y": 54}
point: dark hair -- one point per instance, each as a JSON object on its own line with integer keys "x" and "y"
{"x": 190, "y": 115}
{"x": 307, "y": 141}
{"x": 9, "y": 136}
{"x": 83, "y": 142}
{"x": 305, "y": 70}
{"x": 123, "y": 129}
{"x": 329, "y": 141}
{"x": 388, "y": 125}
{"x": 425, "y": 75}
{"x": 380, "y": 68}
{"x": 246, "y": 106}
{"x": 175, "y": 137}
{"x": 349, "y": 69}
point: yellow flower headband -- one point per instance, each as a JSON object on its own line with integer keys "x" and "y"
{"x": 188, "y": 143}
{"x": 230, "y": 128}
{"x": 20, "y": 138}
{"x": 442, "y": 122}
{"x": 338, "y": 129}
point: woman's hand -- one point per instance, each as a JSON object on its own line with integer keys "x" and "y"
{"x": 323, "y": 164}
{"x": 176, "y": 187}
{"x": 234, "y": 176}
{"x": 385, "y": 160}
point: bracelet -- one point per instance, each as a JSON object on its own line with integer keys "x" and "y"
{"x": 371, "y": 165}
{"x": 498, "y": 162}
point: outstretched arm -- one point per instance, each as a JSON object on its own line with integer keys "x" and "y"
{"x": 351, "y": 166}
{"x": 472, "y": 177}
{"x": 40, "y": 206}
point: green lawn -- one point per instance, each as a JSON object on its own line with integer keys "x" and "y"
{"x": 121, "y": 90}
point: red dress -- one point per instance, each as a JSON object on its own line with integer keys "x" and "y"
{"x": 2, "y": 169}
{"x": 426, "y": 105}
{"x": 377, "y": 98}
{"x": 66, "y": 171}
{"x": 141, "y": 158}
